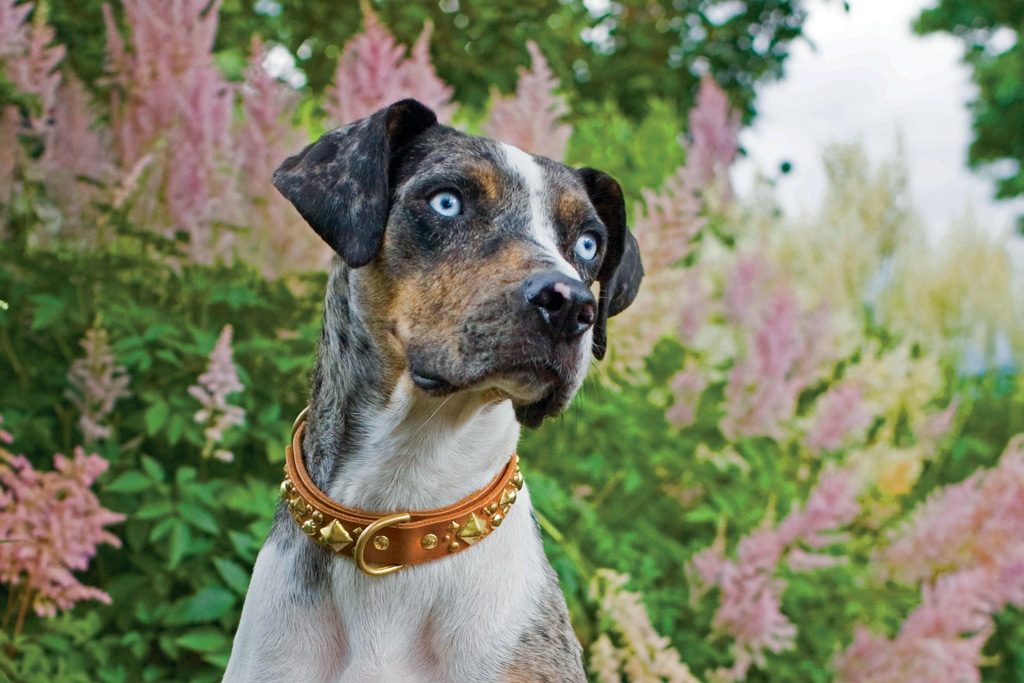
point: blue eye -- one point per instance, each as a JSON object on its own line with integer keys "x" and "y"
{"x": 447, "y": 203}
{"x": 586, "y": 246}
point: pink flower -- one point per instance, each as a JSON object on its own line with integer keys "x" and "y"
{"x": 687, "y": 387}
{"x": 751, "y": 595}
{"x": 52, "y": 523}
{"x": 840, "y": 415}
{"x": 171, "y": 100}
{"x": 212, "y": 389}
{"x": 965, "y": 544}
{"x": 785, "y": 349}
{"x": 97, "y": 382}
{"x": 714, "y": 127}
{"x": 5, "y": 436}
{"x": 531, "y": 119}
{"x": 374, "y": 72}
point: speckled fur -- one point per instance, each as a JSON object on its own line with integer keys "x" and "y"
{"x": 410, "y": 291}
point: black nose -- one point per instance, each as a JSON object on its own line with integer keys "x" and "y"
{"x": 565, "y": 305}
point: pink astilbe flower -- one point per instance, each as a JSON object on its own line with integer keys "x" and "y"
{"x": 751, "y": 594}
{"x": 373, "y": 71}
{"x": 666, "y": 228}
{"x": 170, "y": 97}
{"x": 714, "y": 127}
{"x": 687, "y": 388}
{"x": 840, "y": 415}
{"x": 97, "y": 382}
{"x": 531, "y": 118}
{"x": 965, "y": 544}
{"x": 280, "y": 242}
{"x": 51, "y": 523}
{"x": 212, "y": 389}
{"x": 5, "y": 436}
{"x": 644, "y": 655}
{"x": 785, "y": 350}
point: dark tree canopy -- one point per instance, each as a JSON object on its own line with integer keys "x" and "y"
{"x": 630, "y": 53}
{"x": 991, "y": 33}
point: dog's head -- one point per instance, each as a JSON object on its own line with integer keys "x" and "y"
{"x": 473, "y": 260}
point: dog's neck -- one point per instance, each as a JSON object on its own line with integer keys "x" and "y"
{"x": 374, "y": 441}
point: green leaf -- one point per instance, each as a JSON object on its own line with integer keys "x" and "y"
{"x": 178, "y": 543}
{"x": 153, "y": 468}
{"x": 156, "y": 416}
{"x": 199, "y": 518}
{"x": 154, "y": 510}
{"x": 48, "y": 309}
{"x": 131, "y": 481}
{"x": 203, "y": 640}
{"x": 234, "y": 576}
{"x": 208, "y": 604}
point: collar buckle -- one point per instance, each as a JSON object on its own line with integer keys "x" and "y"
{"x": 380, "y": 542}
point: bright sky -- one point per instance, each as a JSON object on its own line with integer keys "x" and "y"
{"x": 869, "y": 78}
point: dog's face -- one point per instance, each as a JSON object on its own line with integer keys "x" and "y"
{"x": 475, "y": 259}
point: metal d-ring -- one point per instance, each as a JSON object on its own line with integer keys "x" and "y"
{"x": 364, "y": 537}
{"x": 299, "y": 420}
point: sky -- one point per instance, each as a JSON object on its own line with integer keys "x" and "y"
{"x": 868, "y": 78}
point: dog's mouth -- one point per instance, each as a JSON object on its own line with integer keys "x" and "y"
{"x": 536, "y": 390}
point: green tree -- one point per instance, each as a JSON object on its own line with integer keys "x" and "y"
{"x": 998, "y": 111}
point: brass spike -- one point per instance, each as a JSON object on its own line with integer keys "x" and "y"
{"x": 491, "y": 509}
{"x": 508, "y": 497}
{"x": 286, "y": 488}
{"x": 473, "y": 530}
{"x": 334, "y": 536}
{"x": 453, "y": 546}
{"x": 317, "y": 517}
{"x": 297, "y": 505}
{"x": 496, "y": 520}
{"x": 517, "y": 480}
{"x": 454, "y": 526}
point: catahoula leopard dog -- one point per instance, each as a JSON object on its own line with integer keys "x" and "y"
{"x": 458, "y": 308}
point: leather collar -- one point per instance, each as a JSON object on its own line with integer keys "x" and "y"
{"x": 382, "y": 544}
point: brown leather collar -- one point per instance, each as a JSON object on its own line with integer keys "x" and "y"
{"x": 382, "y": 544}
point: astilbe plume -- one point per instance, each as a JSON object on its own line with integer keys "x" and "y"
{"x": 97, "y": 382}
{"x": 784, "y": 349}
{"x": 279, "y": 241}
{"x": 51, "y": 523}
{"x": 714, "y": 127}
{"x": 644, "y": 656}
{"x": 665, "y": 228}
{"x": 965, "y": 544}
{"x": 532, "y": 117}
{"x": 840, "y": 416}
{"x": 373, "y": 72}
{"x": 171, "y": 100}
{"x": 5, "y": 436}
{"x": 29, "y": 62}
{"x": 211, "y": 390}
{"x": 750, "y": 592}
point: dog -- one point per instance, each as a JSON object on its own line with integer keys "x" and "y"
{"x": 459, "y": 307}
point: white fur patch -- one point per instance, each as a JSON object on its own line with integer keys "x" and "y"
{"x": 540, "y": 224}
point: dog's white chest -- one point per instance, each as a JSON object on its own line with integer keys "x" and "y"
{"x": 452, "y": 620}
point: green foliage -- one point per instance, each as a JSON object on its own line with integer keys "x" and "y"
{"x": 998, "y": 110}
{"x": 194, "y": 526}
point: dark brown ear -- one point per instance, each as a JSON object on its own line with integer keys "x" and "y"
{"x": 621, "y": 270}
{"x": 340, "y": 183}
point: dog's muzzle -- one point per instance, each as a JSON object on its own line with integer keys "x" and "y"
{"x": 566, "y": 308}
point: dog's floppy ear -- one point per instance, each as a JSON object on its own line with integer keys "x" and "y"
{"x": 621, "y": 270}
{"x": 341, "y": 183}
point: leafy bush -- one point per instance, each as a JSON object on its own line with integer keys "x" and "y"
{"x": 728, "y": 494}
